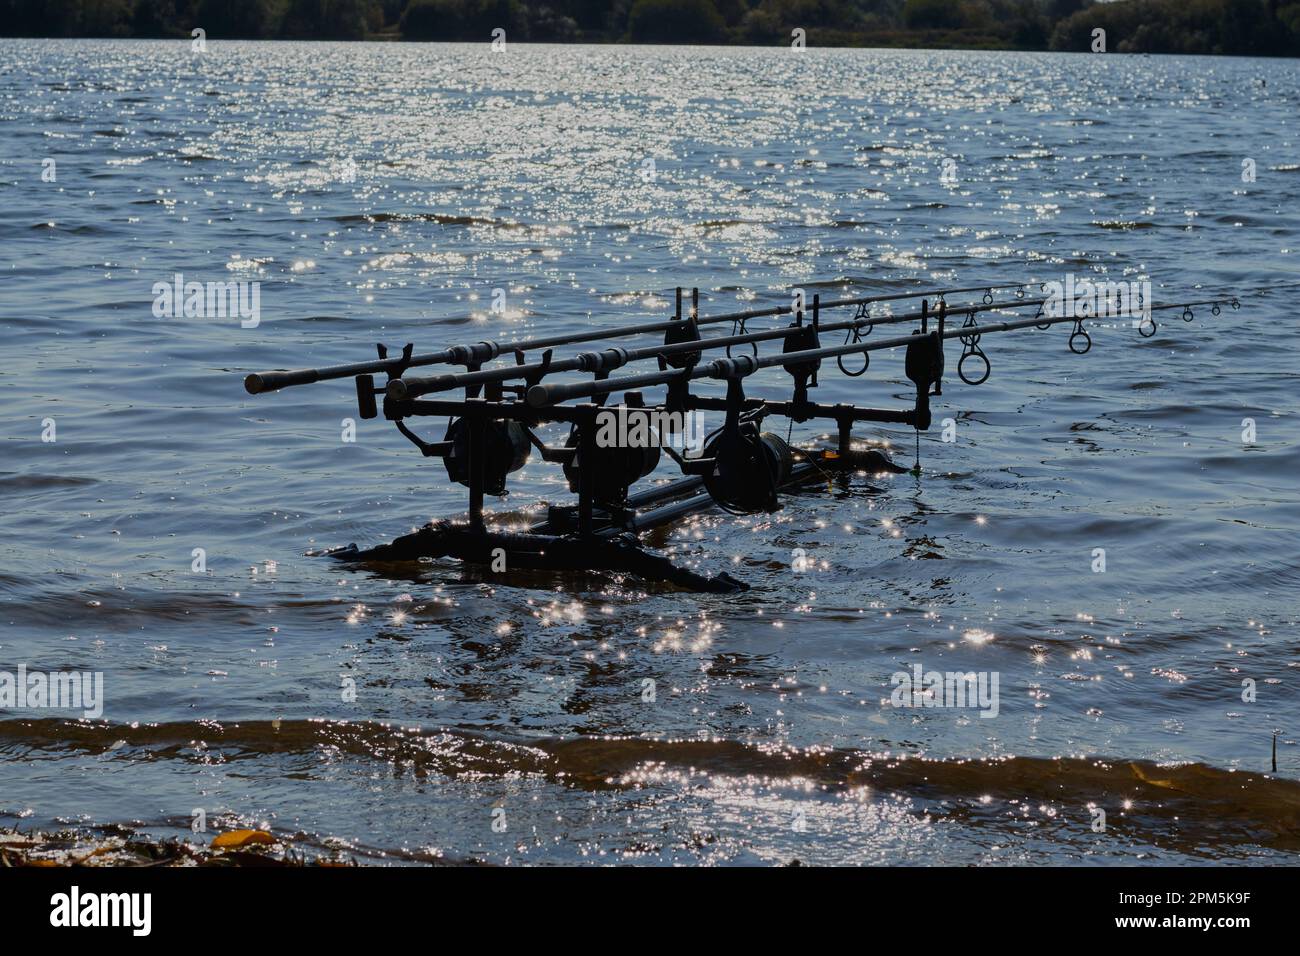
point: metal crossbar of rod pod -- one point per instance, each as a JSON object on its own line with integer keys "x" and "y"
{"x": 542, "y": 395}
{"x": 486, "y": 351}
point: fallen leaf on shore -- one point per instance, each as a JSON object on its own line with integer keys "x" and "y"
{"x": 238, "y": 838}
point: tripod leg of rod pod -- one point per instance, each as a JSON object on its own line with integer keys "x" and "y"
{"x": 477, "y": 453}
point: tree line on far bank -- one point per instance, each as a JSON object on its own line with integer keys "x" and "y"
{"x": 1251, "y": 27}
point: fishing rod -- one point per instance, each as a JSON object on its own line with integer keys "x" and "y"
{"x": 539, "y": 396}
{"x": 744, "y": 468}
{"x": 473, "y": 355}
{"x": 612, "y": 358}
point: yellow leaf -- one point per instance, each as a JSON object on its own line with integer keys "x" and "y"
{"x": 92, "y": 853}
{"x": 1138, "y": 772}
{"x": 238, "y": 838}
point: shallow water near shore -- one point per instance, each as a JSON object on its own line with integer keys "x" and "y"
{"x": 380, "y": 193}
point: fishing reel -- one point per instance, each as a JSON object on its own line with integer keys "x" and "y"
{"x": 618, "y": 447}
{"x": 502, "y": 445}
{"x": 742, "y": 467}
{"x": 748, "y": 468}
{"x": 505, "y": 448}
{"x": 613, "y": 467}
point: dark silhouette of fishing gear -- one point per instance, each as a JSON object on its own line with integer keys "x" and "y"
{"x": 742, "y": 468}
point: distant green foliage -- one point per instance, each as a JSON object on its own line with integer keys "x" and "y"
{"x": 235, "y": 18}
{"x": 770, "y": 21}
{"x": 220, "y": 19}
{"x": 675, "y": 21}
{"x": 1257, "y": 27}
{"x": 463, "y": 20}
{"x": 66, "y": 18}
{"x": 323, "y": 19}
{"x": 933, "y": 14}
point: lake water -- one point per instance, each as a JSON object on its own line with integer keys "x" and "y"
{"x": 380, "y": 193}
